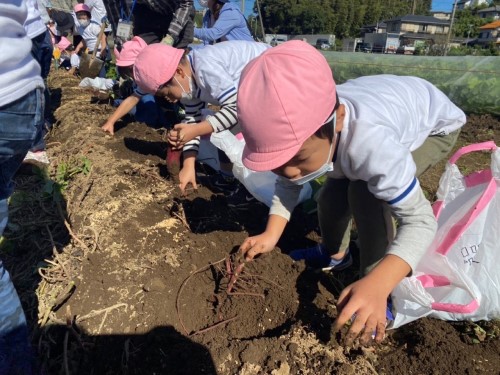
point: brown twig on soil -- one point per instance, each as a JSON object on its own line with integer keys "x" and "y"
{"x": 54, "y": 303}
{"x": 56, "y": 254}
{"x": 97, "y": 312}
{"x": 234, "y": 276}
{"x": 247, "y": 294}
{"x": 66, "y": 339}
{"x": 68, "y": 227}
{"x": 179, "y": 292}
{"x": 182, "y": 219}
{"x": 65, "y": 353}
{"x": 87, "y": 186}
{"x": 204, "y": 330}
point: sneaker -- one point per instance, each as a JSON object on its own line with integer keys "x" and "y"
{"x": 228, "y": 185}
{"x": 319, "y": 257}
{"x": 38, "y": 158}
{"x": 241, "y": 199}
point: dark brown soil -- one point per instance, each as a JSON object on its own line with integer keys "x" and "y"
{"x": 150, "y": 273}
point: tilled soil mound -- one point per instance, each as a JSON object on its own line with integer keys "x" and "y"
{"x": 136, "y": 277}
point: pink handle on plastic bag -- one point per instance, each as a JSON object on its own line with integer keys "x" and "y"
{"x": 463, "y": 223}
{"x": 484, "y": 146}
{"x": 435, "y": 281}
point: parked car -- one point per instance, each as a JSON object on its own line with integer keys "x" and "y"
{"x": 323, "y": 44}
{"x": 363, "y": 47}
{"x": 406, "y": 50}
{"x": 277, "y": 41}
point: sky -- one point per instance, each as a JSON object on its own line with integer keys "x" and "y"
{"x": 445, "y": 5}
{"x": 441, "y": 5}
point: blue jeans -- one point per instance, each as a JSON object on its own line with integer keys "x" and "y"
{"x": 20, "y": 125}
{"x": 41, "y": 50}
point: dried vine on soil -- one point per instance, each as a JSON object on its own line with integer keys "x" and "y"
{"x": 238, "y": 283}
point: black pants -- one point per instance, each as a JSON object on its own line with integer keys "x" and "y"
{"x": 152, "y": 27}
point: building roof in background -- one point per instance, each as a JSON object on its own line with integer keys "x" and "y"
{"x": 419, "y": 36}
{"x": 411, "y": 18}
{"x": 491, "y": 25}
{"x": 496, "y": 8}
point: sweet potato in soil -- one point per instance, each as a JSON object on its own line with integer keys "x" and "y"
{"x": 127, "y": 239}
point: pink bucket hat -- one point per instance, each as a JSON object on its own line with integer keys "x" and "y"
{"x": 63, "y": 43}
{"x": 284, "y": 96}
{"x": 130, "y": 51}
{"x": 156, "y": 65}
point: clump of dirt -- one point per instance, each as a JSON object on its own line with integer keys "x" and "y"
{"x": 136, "y": 276}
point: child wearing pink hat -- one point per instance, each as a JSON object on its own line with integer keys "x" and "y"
{"x": 89, "y": 30}
{"x": 372, "y": 136}
{"x": 207, "y": 75}
{"x": 125, "y": 60}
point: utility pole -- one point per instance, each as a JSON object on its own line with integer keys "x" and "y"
{"x": 243, "y": 7}
{"x": 261, "y": 21}
{"x": 446, "y": 47}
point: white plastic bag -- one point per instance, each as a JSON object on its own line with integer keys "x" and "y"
{"x": 459, "y": 276}
{"x": 259, "y": 184}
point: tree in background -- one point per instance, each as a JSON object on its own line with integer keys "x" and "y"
{"x": 340, "y": 17}
{"x": 467, "y": 24}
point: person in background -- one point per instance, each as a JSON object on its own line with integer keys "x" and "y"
{"x": 42, "y": 52}
{"x": 54, "y": 34}
{"x": 90, "y": 32}
{"x": 64, "y": 21}
{"x": 373, "y": 136}
{"x": 207, "y": 75}
{"x": 98, "y": 12}
{"x": 170, "y": 21}
{"x": 65, "y": 48}
{"x": 21, "y": 122}
{"x": 222, "y": 21}
{"x": 145, "y": 107}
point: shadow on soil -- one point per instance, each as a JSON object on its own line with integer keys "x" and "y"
{"x": 174, "y": 353}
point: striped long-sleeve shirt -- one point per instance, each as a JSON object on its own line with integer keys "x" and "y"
{"x": 216, "y": 73}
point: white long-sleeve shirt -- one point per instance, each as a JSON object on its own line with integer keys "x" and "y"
{"x": 387, "y": 117}
{"x": 34, "y": 24}
{"x": 216, "y": 73}
{"x": 90, "y": 34}
{"x": 19, "y": 72}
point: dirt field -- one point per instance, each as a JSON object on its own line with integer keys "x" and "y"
{"x": 122, "y": 275}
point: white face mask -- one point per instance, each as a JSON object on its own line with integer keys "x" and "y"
{"x": 186, "y": 95}
{"x": 203, "y": 3}
{"x": 325, "y": 168}
{"x": 84, "y": 23}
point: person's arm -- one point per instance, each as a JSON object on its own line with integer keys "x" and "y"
{"x": 367, "y": 298}
{"x": 222, "y": 89}
{"x": 285, "y": 199}
{"x": 113, "y": 10}
{"x": 266, "y": 241}
{"x": 191, "y": 127}
{"x": 180, "y": 18}
{"x": 365, "y": 301}
{"x": 121, "y": 111}
{"x": 187, "y": 174}
{"x": 79, "y": 47}
{"x": 228, "y": 20}
{"x": 103, "y": 44}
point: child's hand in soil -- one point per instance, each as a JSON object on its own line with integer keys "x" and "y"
{"x": 256, "y": 245}
{"x": 109, "y": 127}
{"x": 181, "y": 134}
{"x": 187, "y": 176}
{"x": 365, "y": 302}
